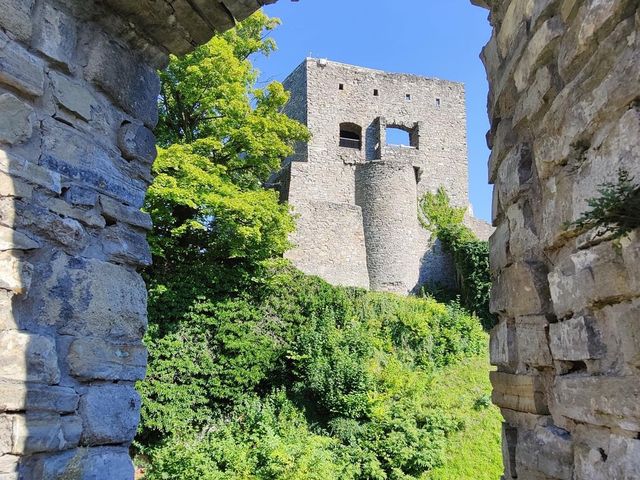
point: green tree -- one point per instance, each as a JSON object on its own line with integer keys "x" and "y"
{"x": 220, "y": 138}
{"x": 214, "y": 225}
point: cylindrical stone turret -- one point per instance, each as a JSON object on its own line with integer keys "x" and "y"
{"x": 386, "y": 192}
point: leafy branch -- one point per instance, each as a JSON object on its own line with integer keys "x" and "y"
{"x": 616, "y": 211}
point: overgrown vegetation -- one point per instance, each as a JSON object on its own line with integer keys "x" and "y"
{"x": 616, "y": 212}
{"x": 294, "y": 378}
{"x": 257, "y": 371}
{"x": 470, "y": 255}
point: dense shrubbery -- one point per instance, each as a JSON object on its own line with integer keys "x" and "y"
{"x": 470, "y": 255}
{"x": 293, "y": 373}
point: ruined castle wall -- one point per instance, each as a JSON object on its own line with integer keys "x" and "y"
{"x": 78, "y": 89}
{"x": 326, "y": 94}
{"x": 564, "y": 88}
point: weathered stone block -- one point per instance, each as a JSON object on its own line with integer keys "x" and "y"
{"x": 10, "y": 239}
{"x": 77, "y": 195}
{"x": 608, "y": 401}
{"x": 15, "y": 122}
{"x": 592, "y": 17}
{"x": 596, "y": 275}
{"x": 626, "y": 318}
{"x": 523, "y": 393}
{"x": 576, "y": 339}
{"x": 6, "y": 432}
{"x": 110, "y": 414}
{"x": 543, "y": 40}
{"x": 9, "y": 465}
{"x": 502, "y": 344}
{"x": 520, "y": 289}
{"x": 132, "y": 84}
{"x": 56, "y": 35}
{"x": 20, "y": 69}
{"x": 72, "y": 95}
{"x": 89, "y": 163}
{"x": 94, "y": 298}
{"x": 616, "y": 458}
{"x": 90, "y": 218}
{"x": 518, "y": 12}
{"x": 14, "y": 187}
{"x": 532, "y": 101}
{"x": 104, "y": 463}
{"x": 514, "y": 173}
{"x": 15, "y": 165}
{"x": 40, "y": 220}
{"x": 531, "y": 338}
{"x": 499, "y": 247}
{"x": 17, "y": 17}
{"x": 123, "y": 244}
{"x": 545, "y": 449}
{"x": 7, "y": 318}
{"x": 26, "y": 357}
{"x": 524, "y": 241}
{"x": 97, "y": 359}
{"x": 116, "y": 211}
{"x": 17, "y": 397}
{"x": 137, "y": 142}
{"x": 35, "y": 433}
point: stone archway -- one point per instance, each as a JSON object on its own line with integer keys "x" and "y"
{"x": 77, "y": 93}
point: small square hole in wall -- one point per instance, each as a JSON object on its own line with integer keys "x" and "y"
{"x": 438, "y": 102}
{"x": 407, "y": 96}
{"x": 375, "y": 92}
{"x": 341, "y": 86}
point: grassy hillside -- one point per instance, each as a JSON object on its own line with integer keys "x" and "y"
{"x": 472, "y": 453}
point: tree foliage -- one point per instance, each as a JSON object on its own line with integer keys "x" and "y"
{"x": 470, "y": 255}
{"x": 616, "y": 211}
{"x": 220, "y": 138}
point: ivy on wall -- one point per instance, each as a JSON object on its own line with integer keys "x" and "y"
{"x": 470, "y": 255}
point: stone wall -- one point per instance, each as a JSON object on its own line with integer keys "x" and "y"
{"x": 383, "y": 247}
{"x": 78, "y": 92}
{"x": 564, "y": 102}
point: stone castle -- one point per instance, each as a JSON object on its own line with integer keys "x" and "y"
{"x": 356, "y": 192}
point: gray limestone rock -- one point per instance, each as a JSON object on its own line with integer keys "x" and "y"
{"x": 110, "y": 414}
{"x": 27, "y": 357}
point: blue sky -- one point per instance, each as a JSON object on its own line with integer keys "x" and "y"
{"x": 435, "y": 38}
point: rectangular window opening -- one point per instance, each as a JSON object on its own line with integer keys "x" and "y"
{"x": 438, "y": 102}
{"x": 375, "y": 92}
{"x": 341, "y": 86}
{"x": 407, "y": 97}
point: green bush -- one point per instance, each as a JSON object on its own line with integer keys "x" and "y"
{"x": 470, "y": 255}
{"x": 347, "y": 371}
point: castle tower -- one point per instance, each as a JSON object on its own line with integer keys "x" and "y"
{"x": 379, "y": 141}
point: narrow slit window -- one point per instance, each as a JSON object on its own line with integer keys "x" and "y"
{"x": 437, "y": 102}
{"x": 350, "y": 136}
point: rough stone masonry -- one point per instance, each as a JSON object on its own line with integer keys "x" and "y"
{"x": 355, "y": 192}
{"x": 77, "y": 96}
{"x": 565, "y": 107}
{"x": 78, "y": 90}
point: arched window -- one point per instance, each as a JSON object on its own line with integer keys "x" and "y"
{"x": 350, "y": 135}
